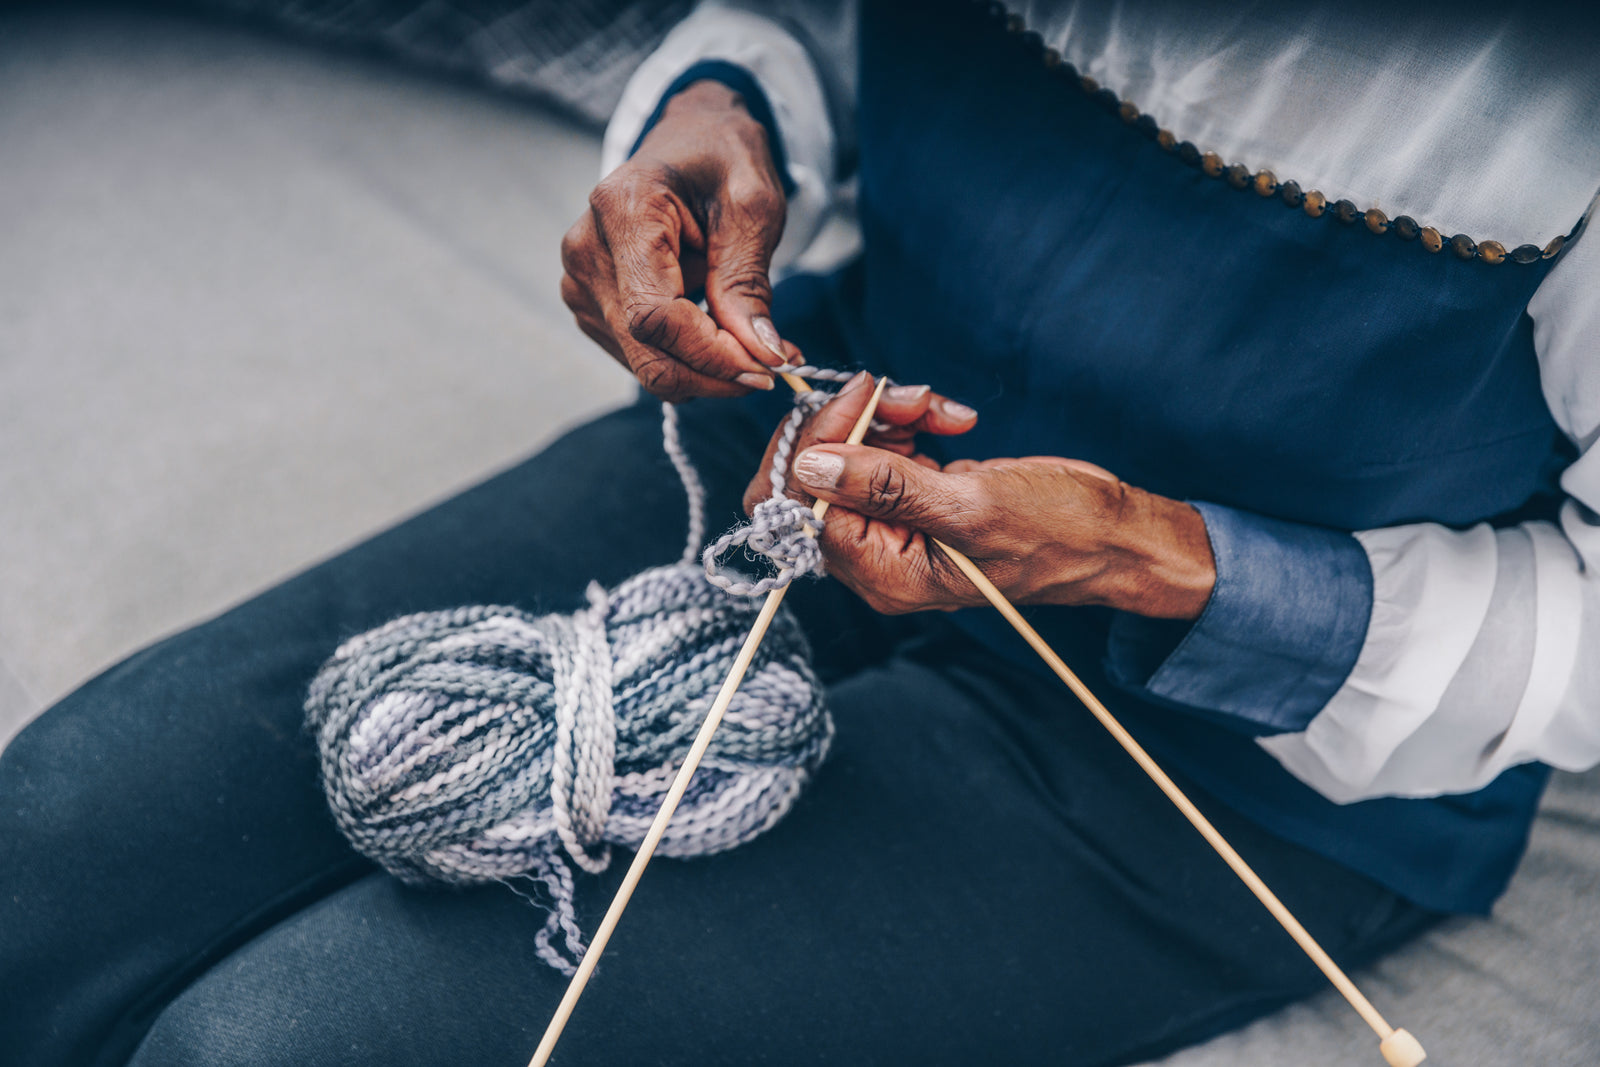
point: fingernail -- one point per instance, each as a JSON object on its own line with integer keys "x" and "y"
{"x": 861, "y": 378}
{"x": 957, "y": 411}
{"x": 755, "y": 381}
{"x": 767, "y": 334}
{"x": 906, "y": 393}
{"x": 819, "y": 469}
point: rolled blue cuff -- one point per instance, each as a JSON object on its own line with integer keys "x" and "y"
{"x": 740, "y": 81}
{"x": 1284, "y": 626}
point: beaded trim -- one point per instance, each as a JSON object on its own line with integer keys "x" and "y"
{"x": 1264, "y": 183}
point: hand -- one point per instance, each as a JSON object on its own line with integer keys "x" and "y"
{"x": 1045, "y": 530}
{"x": 700, "y": 203}
{"x": 904, "y": 411}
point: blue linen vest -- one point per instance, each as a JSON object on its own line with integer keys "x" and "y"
{"x": 1029, "y": 253}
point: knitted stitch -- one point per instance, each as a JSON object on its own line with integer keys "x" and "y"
{"x": 782, "y": 529}
{"x": 486, "y": 743}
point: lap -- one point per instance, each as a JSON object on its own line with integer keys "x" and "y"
{"x": 974, "y": 872}
{"x": 941, "y": 895}
{"x": 168, "y": 811}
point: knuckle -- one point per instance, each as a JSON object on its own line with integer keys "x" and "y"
{"x": 886, "y": 489}
{"x": 753, "y": 196}
{"x": 661, "y": 241}
{"x": 608, "y": 196}
{"x": 765, "y": 205}
{"x": 624, "y": 191}
{"x": 651, "y": 324}
{"x": 660, "y": 377}
{"x": 750, "y": 282}
{"x": 578, "y": 257}
{"x": 574, "y": 295}
{"x": 573, "y": 244}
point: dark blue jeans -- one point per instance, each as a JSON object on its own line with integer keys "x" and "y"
{"x": 978, "y": 875}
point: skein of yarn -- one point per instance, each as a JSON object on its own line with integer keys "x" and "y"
{"x": 486, "y": 743}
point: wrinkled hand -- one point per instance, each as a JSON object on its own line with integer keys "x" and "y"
{"x": 904, "y": 411}
{"x": 1045, "y": 530}
{"x": 700, "y": 203}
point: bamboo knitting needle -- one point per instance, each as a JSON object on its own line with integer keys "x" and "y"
{"x": 691, "y": 762}
{"x": 1398, "y": 1047}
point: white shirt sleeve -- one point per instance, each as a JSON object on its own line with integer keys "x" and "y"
{"x": 787, "y": 73}
{"x": 1483, "y": 650}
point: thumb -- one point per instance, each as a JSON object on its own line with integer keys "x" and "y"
{"x": 738, "y": 263}
{"x": 885, "y": 485}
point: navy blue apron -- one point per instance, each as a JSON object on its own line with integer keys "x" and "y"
{"x": 1029, "y": 253}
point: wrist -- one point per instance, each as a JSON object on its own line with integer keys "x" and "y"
{"x": 1163, "y": 566}
{"x": 704, "y": 99}
{"x": 717, "y": 115}
{"x": 707, "y": 114}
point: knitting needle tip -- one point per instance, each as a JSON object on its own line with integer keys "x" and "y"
{"x": 1400, "y": 1049}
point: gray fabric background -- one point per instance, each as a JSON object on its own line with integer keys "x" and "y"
{"x": 258, "y": 300}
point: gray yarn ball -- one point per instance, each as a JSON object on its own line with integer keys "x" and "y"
{"x": 485, "y": 744}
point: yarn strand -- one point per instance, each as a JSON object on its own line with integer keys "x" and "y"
{"x": 672, "y": 445}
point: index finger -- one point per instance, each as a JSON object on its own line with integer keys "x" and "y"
{"x": 830, "y": 425}
{"x": 645, "y": 240}
{"x": 834, "y": 420}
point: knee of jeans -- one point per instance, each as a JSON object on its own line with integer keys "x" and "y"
{"x": 83, "y": 823}
{"x": 51, "y": 957}
{"x": 202, "y": 1030}
{"x": 43, "y": 804}
{"x": 61, "y": 809}
{"x": 258, "y": 1009}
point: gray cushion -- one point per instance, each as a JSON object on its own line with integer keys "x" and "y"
{"x": 1517, "y": 990}
{"x": 256, "y": 301}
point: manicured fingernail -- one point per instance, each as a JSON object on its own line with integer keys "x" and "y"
{"x": 819, "y": 469}
{"x": 767, "y": 334}
{"x": 957, "y": 411}
{"x": 755, "y": 381}
{"x": 905, "y": 393}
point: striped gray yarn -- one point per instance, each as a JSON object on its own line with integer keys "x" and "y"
{"x": 780, "y": 528}
{"x": 486, "y": 743}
